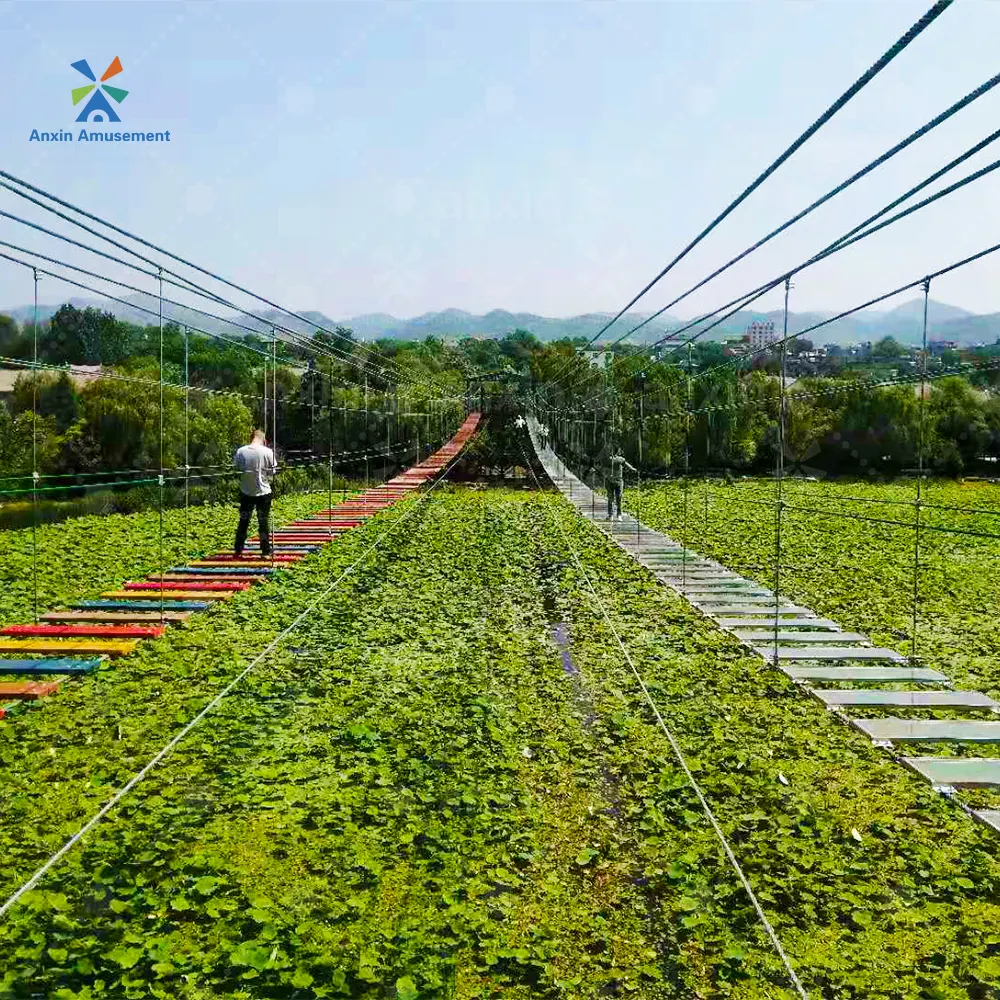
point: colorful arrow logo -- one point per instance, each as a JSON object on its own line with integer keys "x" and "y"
{"x": 98, "y": 105}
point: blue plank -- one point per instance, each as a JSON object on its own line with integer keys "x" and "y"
{"x": 61, "y": 665}
{"x": 218, "y": 570}
{"x": 144, "y": 605}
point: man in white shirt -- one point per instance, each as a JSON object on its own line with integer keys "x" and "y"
{"x": 257, "y": 463}
{"x": 616, "y": 482}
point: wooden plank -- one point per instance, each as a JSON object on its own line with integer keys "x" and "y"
{"x": 50, "y": 665}
{"x": 28, "y": 690}
{"x": 183, "y": 579}
{"x": 82, "y": 631}
{"x": 177, "y": 595}
{"x": 106, "y": 647}
{"x": 171, "y": 617}
{"x": 234, "y": 585}
{"x": 198, "y": 605}
{"x": 249, "y": 563}
{"x": 233, "y": 572}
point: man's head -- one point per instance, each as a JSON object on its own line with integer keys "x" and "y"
{"x": 258, "y": 436}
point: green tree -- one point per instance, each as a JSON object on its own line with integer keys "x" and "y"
{"x": 888, "y": 348}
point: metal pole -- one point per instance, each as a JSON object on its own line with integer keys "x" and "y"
{"x": 187, "y": 450}
{"x": 274, "y": 393}
{"x": 160, "y": 477}
{"x": 780, "y": 472}
{"x": 920, "y": 474}
{"x": 638, "y": 472}
{"x": 687, "y": 469}
{"x": 34, "y": 451}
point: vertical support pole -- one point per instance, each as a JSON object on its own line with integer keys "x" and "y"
{"x": 638, "y": 472}
{"x": 274, "y": 415}
{"x": 263, "y": 418}
{"x": 687, "y": 469}
{"x": 187, "y": 443}
{"x": 918, "y": 503}
{"x": 274, "y": 392}
{"x": 366, "y": 432}
{"x": 780, "y": 471}
{"x": 35, "y": 476}
{"x": 160, "y": 478}
{"x": 329, "y": 449}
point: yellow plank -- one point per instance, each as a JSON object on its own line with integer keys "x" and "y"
{"x": 169, "y": 595}
{"x": 111, "y": 647}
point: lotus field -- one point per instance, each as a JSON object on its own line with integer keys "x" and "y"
{"x": 446, "y": 782}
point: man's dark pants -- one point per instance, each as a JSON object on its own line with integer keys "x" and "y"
{"x": 614, "y": 497}
{"x": 247, "y": 505}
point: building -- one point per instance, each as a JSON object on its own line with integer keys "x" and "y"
{"x": 600, "y": 359}
{"x": 761, "y": 333}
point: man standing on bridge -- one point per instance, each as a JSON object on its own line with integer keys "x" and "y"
{"x": 257, "y": 463}
{"x": 616, "y": 482}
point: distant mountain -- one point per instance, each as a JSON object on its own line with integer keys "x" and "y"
{"x": 945, "y": 322}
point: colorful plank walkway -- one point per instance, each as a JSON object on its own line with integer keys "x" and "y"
{"x": 141, "y": 609}
{"x": 808, "y": 648}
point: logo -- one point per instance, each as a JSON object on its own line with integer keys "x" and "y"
{"x": 98, "y": 109}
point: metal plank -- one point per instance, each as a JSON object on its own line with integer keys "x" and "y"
{"x": 700, "y": 590}
{"x": 807, "y": 623}
{"x": 914, "y": 699}
{"x": 915, "y": 675}
{"x": 50, "y": 665}
{"x": 991, "y": 817}
{"x": 753, "y": 607}
{"x": 950, "y": 730}
{"x": 765, "y": 636}
{"x": 957, "y": 771}
{"x": 834, "y": 653}
{"x": 714, "y": 582}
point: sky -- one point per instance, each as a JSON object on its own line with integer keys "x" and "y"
{"x": 537, "y": 157}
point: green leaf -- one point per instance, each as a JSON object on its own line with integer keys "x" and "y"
{"x": 206, "y": 885}
{"x": 302, "y": 979}
{"x": 125, "y": 957}
{"x": 406, "y": 989}
{"x": 586, "y": 856}
{"x": 250, "y": 953}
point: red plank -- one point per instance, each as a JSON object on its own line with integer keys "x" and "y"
{"x": 199, "y": 585}
{"x": 80, "y": 631}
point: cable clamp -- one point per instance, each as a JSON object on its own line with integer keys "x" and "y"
{"x": 36, "y": 476}
{"x": 160, "y": 479}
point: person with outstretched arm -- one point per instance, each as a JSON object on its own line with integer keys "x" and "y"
{"x": 616, "y": 483}
{"x": 258, "y": 466}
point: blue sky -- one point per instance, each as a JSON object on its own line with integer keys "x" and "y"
{"x": 543, "y": 157}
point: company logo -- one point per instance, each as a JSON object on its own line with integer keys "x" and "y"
{"x": 98, "y": 109}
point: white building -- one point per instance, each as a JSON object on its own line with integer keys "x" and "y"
{"x": 761, "y": 334}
